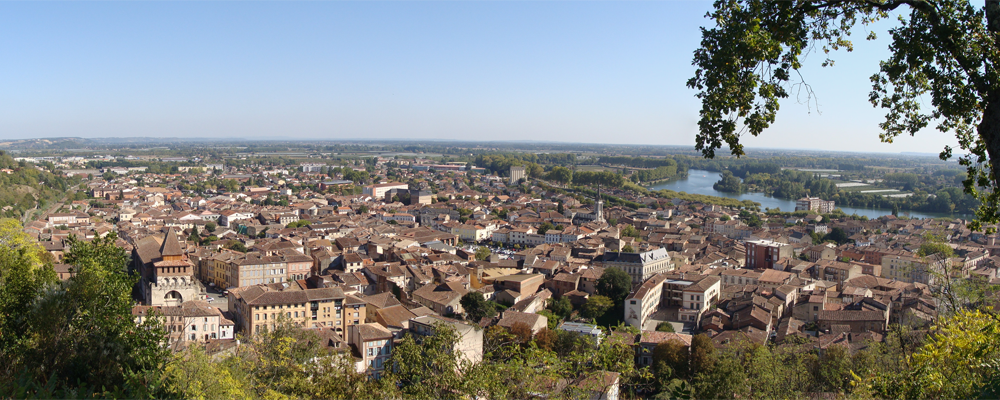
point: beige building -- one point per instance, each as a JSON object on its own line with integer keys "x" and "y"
{"x": 228, "y": 269}
{"x": 166, "y": 276}
{"x": 836, "y": 271}
{"x": 470, "y": 338}
{"x": 192, "y": 321}
{"x": 444, "y": 298}
{"x": 911, "y": 269}
{"x": 473, "y": 232}
{"x": 257, "y": 308}
{"x": 733, "y": 229}
{"x": 373, "y": 343}
{"x": 739, "y": 277}
{"x": 536, "y": 322}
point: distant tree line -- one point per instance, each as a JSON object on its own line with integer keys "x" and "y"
{"x": 637, "y": 162}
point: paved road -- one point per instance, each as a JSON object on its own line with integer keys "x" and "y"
{"x": 218, "y": 300}
{"x": 52, "y": 209}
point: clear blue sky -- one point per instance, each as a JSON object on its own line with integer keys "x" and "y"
{"x": 600, "y": 72}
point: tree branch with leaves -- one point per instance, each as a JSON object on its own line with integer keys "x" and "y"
{"x": 945, "y": 50}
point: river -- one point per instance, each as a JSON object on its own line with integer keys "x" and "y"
{"x": 700, "y": 182}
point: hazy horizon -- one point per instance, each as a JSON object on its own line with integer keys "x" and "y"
{"x": 390, "y": 141}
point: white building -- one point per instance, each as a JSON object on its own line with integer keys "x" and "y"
{"x": 312, "y": 167}
{"x": 690, "y": 295}
{"x": 192, "y": 321}
{"x": 378, "y": 190}
{"x": 640, "y": 266}
{"x": 814, "y": 204}
{"x": 517, "y": 173}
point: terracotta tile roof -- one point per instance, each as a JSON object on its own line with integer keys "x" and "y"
{"x": 372, "y": 331}
{"x": 171, "y": 246}
{"x": 656, "y": 337}
{"x": 513, "y": 317}
{"x": 850, "y": 315}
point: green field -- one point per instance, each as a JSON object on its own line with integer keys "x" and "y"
{"x": 594, "y": 168}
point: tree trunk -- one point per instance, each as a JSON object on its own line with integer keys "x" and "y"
{"x": 989, "y": 131}
{"x": 989, "y": 127}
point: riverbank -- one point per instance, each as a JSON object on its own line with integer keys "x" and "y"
{"x": 701, "y": 182}
{"x": 664, "y": 180}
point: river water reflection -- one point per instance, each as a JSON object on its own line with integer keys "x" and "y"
{"x": 700, "y": 182}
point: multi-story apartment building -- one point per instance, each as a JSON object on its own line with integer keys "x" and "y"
{"x": 212, "y": 268}
{"x": 690, "y": 295}
{"x": 501, "y": 235}
{"x": 763, "y": 254}
{"x": 733, "y": 229}
{"x": 739, "y": 277}
{"x": 836, "y": 271}
{"x": 251, "y": 269}
{"x": 473, "y": 232}
{"x": 517, "y": 173}
{"x": 257, "y": 308}
{"x": 65, "y": 219}
{"x": 640, "y": 266}
{"x": 312, "y": 167}
{"x": 814, "y": 204}
{"x": 697, "y": 294}
{"x": 228, "y": 217}
{"x": 523, "y": 284}
{"x": 912, "y": 269}
{"x": 644, "y": 301}
{"x": 378, "y": 190}
{"x": 192, "y": 321}
{"x": 374, "y": 345}
{"x": 299, "y": 266}
{"x": 525, "y": 236}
